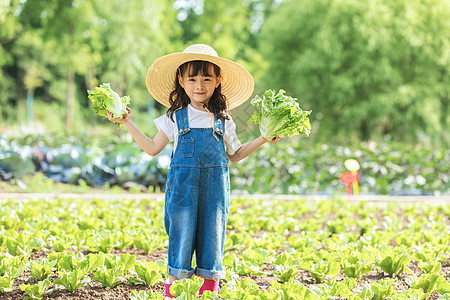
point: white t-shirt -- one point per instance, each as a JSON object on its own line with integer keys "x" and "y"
{"x": 199, "y": 119}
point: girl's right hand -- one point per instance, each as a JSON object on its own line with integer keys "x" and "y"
{"x": 125, "y": 118}
{"x": 272, "y": 141}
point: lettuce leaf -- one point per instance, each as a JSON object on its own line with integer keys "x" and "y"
{"x": 104, "y": 99}
{"x": 279, "y": 115}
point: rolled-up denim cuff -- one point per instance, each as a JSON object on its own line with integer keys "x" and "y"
{"x": 213, "y": 274}
{"x": 179, "y": 273}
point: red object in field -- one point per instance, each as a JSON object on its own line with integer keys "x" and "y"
{"x": 348, "y": 178}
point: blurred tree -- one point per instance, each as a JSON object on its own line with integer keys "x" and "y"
{"x": 130, "y": 37}
{"x": 225, "y": 25}
{"x": 33, "y": 58}
{"x": 230, "y": 27}
{"x": 63, "y": 47}
{"x": 9, "y": 29}
{"x": 57, "y": 28}
{"x": 366, "y": 68}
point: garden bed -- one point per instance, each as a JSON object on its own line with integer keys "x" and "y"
{"x": 272, "y": 245}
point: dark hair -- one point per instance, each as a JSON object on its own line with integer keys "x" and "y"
{"x": 179, "y": 99}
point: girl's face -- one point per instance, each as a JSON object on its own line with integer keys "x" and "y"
{"x": 199, "y": 83}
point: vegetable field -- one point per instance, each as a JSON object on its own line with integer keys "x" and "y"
{"x": 59, "y": 248}
{"x": 294, "y": 166}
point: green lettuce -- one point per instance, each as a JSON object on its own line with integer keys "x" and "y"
{"x": 104, "y": 99}
{"x": 279, "y": 115}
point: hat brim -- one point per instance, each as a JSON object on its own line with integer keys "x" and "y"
{"x": 237, "y": 83}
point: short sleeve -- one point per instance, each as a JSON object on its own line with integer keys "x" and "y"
{"x": 168, "y": 126}
{"x": 232, "y": 143}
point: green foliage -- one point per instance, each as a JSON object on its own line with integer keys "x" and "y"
{"x": 9, "y": 28}
{"x": 430, "y": 258}
{"x": 23, "y": 243}
{"x": 186, "y": 288}
{"x": 335, "y": 290}
{"x": 246, "y": 266}
{"x": 429, "y": 283}
{"x": 109, "y": 277}
{"x": 138, "y": 40}
{"x": 104, "y": 99}
{"x": 208, "y": 295}
{"x": 10, "y": 269}
{"x": 295, "y": 168}
{"x": 143, "y": 295}
{"x": 386, "y": 168}
{"x": 292, "y": 290}
{"x": 69, "y": 262}
{"x": 148, "y": 272}
{"x": 257, "y": 256}
{"x": 286, "y": 267}
{"x": 149, "y": 243}
{"x": 365, "y": 68}
{"x": 72, "y": 280}
{"x": 126, "y": 260}
{"x": 355, "y": 266}
{"x": 395, "y": 262}
{"x": 103, "y": 242}
{"x": 55, "y": 65}
{"x": 383, "y": 289}
{"x": 279, "y": 115}
{"x": 244, "y": 289}
{"x": 35, "y": 291}
{"x": 13, "y": 162}
{"x": 286, "y": 273}
{"x": 43, "y": 269}
{"x": 321, "y": 268}
{"x": 11, "y": 266}
{"x": 430, "y": 267}
{"x": 272, "y": 237}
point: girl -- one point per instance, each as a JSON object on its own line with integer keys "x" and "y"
{"x": 198, "y": 87}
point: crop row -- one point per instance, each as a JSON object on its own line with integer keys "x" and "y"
{"x": 75, "y": 270}
{"x": 278, "y": 240}
{"x": 298, "y": 166}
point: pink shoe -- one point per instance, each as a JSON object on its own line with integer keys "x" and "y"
{"x": 209, "y": 285}
{"x": 167, "y": 286}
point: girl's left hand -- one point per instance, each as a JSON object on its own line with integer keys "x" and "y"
{"x": 125, "y": 118}
{"x": 274, "y": 140}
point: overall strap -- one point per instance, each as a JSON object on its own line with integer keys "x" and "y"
{"x": 182, "y": 120}
{"x": 219, "y": 126}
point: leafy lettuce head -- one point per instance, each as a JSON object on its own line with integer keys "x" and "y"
{"x": 104, "y": 99}
{"x": 279, "y": 115}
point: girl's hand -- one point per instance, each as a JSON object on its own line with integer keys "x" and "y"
{"x": 125, "y": 118}
{"x": 274, "y": 140}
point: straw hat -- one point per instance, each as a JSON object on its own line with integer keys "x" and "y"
{"x": 237, "y": 83}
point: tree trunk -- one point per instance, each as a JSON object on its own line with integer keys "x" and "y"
{"x": 125, "y": 85}
{"x": 70, "y": 98}
{"x": 30, "y": 98}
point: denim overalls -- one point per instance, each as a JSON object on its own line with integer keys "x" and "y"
{"x": 197, "y": 200}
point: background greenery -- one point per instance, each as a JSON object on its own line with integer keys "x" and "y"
{"x": 292, "y": 167}
{"x": 370, "y": 71}
{"x": 367, "y": 69}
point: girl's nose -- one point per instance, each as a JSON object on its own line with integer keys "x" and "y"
{"x": 199, "y": 85}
